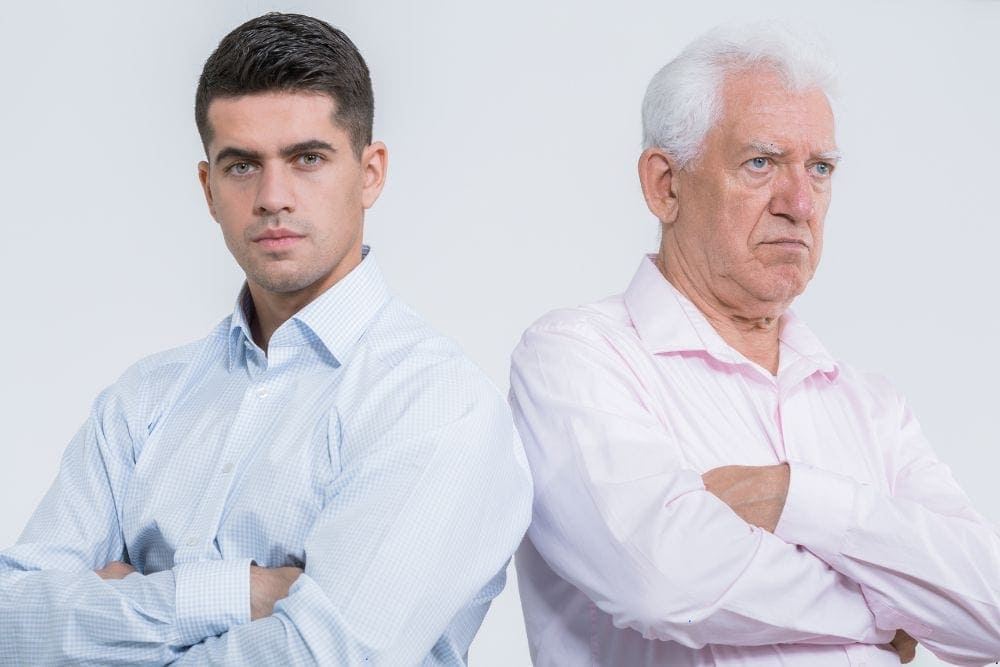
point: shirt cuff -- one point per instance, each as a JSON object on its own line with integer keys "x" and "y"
{"x": 818, "y": 511}
{"x": 211, "y": 597}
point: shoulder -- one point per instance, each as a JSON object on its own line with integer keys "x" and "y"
{"x": 606, "y": 315}
{"x": 602, "y": 327}
{"x": 404, "y": 366}
{"x": 146, "y": 383}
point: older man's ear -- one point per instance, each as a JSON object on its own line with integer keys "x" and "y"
{"x": 657, "y": 171}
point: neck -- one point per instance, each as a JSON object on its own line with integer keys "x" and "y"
{"x": 750, "y": 330}
{"x": 272, "y": 310}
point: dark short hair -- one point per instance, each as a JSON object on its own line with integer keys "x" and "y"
{"x": 290, "y": 53}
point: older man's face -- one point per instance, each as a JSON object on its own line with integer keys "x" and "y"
{"x": 750, "y": 213}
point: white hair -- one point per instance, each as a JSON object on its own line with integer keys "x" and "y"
{"x": 684, "y": 99}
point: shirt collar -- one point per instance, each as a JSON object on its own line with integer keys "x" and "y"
{"x": 667, "y": 322}
{"x": 336, "y": 319}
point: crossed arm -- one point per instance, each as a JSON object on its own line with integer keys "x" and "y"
{"x": 757, "y": 495}
{"x": 267, "y": 584}
{"x": 424, "y": 490}
{"x": 687, "y": 569}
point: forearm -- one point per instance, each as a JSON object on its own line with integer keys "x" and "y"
{"x": 305, "y": 628}
{"x": 689, "y": 570}
{"x": 932, "y": 572}
{"x": 53, "y": 616}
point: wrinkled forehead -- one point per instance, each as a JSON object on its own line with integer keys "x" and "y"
{"x": 759, "y": 105}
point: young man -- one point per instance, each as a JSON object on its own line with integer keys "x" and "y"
{"x": 321, "y": 479}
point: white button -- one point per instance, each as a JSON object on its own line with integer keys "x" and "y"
{"x": 226, "y": 469}
{"x": 191, "y": 541}
{"x": 261, "y": 392}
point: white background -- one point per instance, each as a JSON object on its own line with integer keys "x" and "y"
{"x": 513, "y": 131}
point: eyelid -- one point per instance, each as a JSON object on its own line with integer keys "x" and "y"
{"x": 831, "y": 166}
{"x": 232, "y": 165}
{"x": 766, "y": 158}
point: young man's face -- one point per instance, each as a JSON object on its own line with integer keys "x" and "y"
{"x": 287, "y": 190}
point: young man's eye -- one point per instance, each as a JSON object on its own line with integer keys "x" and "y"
{"x": 240, "y": 168}
{"x": 311, "y": 159}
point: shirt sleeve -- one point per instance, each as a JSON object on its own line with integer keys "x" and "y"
{"x": 620, "y": 514}
{"x": 926, "y": 561}
{"x": 55, "y": 609}
{"x": 418, "y": 528}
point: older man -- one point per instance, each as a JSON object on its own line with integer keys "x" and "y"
{"x": 712, "y": 487}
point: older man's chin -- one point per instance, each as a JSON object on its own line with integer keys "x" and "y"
{"x": 779, "y": 287}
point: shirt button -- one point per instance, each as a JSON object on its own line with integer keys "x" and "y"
{"x": 191, "y": 541}
{"x": 261, "y": 392}
{"x": 226, "y": 469}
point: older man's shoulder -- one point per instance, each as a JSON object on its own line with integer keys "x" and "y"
{"x": 605, "y": 322}
{"x": 608, "y": 313}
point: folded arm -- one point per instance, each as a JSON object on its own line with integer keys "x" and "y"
{"x": 417, "y": 529}
{"x": 926, "y": 561}
{"x": 55, "y": 605}
{"x": 621, "y": 515}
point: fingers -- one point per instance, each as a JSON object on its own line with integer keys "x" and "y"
{"x": 267, "y": 586}
{"x": 905, "y": 646}
{"x": 116, "y": 569}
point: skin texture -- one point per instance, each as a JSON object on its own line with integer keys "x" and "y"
{"x": 742, "y": 226}
{"x": 742, "y": 236}
{"x": 267, "y": 586}
{"x": 756, "y": 493}
{"x": 116, "y": 569}
{"x": 278, "y": 164}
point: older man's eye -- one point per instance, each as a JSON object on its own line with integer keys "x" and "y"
{"x": 758, "y": 163}
{"x": 823, "y": 168}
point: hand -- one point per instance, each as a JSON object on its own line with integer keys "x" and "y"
{"x": 756, "y": 493}
{"x": 267, "y": 586}
{"x": 904, "y": 645}
{"x": 116, "y": 569}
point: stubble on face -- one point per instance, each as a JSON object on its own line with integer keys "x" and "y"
{"x": 283, "y": 271}
{"x": 293, "y": 220}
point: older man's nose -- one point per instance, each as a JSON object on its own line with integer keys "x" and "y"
{"x": 794, "y": 197}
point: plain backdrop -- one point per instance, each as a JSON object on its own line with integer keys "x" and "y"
{"x": 513, "y": 130}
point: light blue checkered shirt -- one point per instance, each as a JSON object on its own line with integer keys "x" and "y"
{"x": 364, "y": 447}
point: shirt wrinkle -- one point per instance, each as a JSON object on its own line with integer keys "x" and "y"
{"x": 344, "y": 444}
{"x": 624, "y": 403}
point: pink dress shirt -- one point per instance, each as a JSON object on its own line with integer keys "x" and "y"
{"x": 623, "y": 404}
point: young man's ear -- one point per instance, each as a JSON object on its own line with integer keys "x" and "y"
{"x": 206, "y": 187}
{"x": 375, "y": 163}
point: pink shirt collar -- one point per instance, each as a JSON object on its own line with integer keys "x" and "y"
{"x": 667, "y": 322}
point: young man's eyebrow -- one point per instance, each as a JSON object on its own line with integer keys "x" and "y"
{"x": 305, "y": 147}
{"x": 239, "y": 153}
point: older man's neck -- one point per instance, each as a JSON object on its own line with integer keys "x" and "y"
{"x": 751, "y": 332}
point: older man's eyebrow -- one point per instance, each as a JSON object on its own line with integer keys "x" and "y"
{"x": 832, "y": 155}
{"x": 237, "y": 153}
{"x": 767, "y": 148}
{"x": 772, "y": 149}
{"x": 305, "y": 147}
